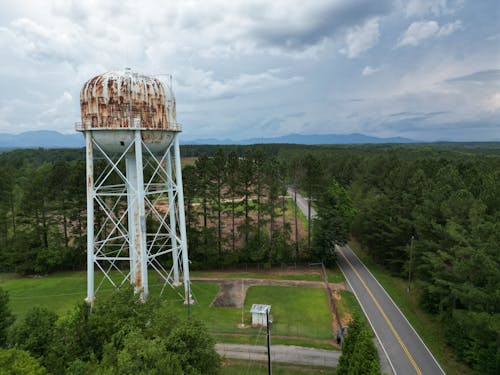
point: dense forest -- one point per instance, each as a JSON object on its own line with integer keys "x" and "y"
{"x": 428, "y": 212}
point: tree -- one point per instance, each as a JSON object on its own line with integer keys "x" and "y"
{"x": 359, "y": 355}
{"x": 333, "y": 224}
{"x": 246, "y": 180}
{"x": 34, "y": 332}
{"x": 232, "y": 178}
{"x": 137, "y": 354}
{"x": 311, "y": 181}
{"x": 6, "y": 317}
{"x": 217, "y": 174}
{"x": 19, "y": 362}
{"x": 195, "y": 348}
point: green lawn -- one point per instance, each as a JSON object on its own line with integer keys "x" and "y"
{"x": 428, "y": 326}
{"x": 301, "y": 314}
{"x": 296, "y": 311}
{"x": 58, "y": 292}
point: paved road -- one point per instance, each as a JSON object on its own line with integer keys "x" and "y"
{"x": 281, "y": 353}
{"x": 302, "y": 203}
{"x": 406, "y": 352}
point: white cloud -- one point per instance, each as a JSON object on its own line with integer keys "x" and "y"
{"x": 493, "y": 103}
{"x": 417, "y": 32}
{"x": 436, "y": 7}
{"x": 450, "y": 28}
{"x": 422, "y": 30}
{"x": 368, "y": 70}
{"x": 361, "y": 38}
{"x": 199, "y": 84}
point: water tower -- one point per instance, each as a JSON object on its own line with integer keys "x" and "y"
{"x": 135, "y": 201}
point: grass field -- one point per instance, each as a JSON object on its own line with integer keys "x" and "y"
{"x": 428, "y": 327}
{"x": 296, "y": 311}
{"x": 301, "y": 314}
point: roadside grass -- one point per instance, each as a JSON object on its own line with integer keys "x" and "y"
{"x": 429, "y": 328}
{"x": 242, "y": 367}
{"x": 348, "y": 305}
{"x": 334, "y": 274}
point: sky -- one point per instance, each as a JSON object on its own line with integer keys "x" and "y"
{"x": 422, "y": 69}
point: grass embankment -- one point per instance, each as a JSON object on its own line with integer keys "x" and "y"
{"x": 241, "y": 367}
{"x": 272, "y": 274}
{"x": 428, "y": 326}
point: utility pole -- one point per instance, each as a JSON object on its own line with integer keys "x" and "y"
{"x": 409, "y": 266}
{"x": 309, "y": 224}
{"x": 242, "y": 304}
{"x": 269, "y": 369}
{"x": 189, "y": 301}
{"x": 296, "y": 225}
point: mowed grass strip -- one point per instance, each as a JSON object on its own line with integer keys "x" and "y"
{"x": 296, "y": 311}
{"x": 242, "y": 367}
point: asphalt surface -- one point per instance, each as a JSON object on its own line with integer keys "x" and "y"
{"x": 302, "y": 203}
{"x": 281, "y": 353}
{"x": 406, "y": 352}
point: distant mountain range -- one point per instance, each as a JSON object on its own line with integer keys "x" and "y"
{"x": 305, "y": 139}
{"x": 41, "y": 138}
{"x": 53, "y": 139}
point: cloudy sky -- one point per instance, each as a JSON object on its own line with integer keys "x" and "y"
{"x": 423, "y": 69}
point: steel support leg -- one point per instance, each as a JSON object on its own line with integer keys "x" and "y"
{"x": 133, "y": 212}
{"x": 173, "y": 223}
{"x": 90, "y": 217}
{"x": 182, "y": 219}
{"x": 141, "y": 266}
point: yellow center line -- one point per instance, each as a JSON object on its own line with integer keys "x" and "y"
{"x": 410, "y": 357}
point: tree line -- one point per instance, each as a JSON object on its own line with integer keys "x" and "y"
{"x": 239, "y": 210}
{"x": 236, "y": 203}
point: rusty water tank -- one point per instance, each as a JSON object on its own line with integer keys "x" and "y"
{"x": 115, "y": 104}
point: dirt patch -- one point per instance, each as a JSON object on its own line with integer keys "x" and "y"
{"x": 346, "y": 319}
{"x": 231, "y": 294}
